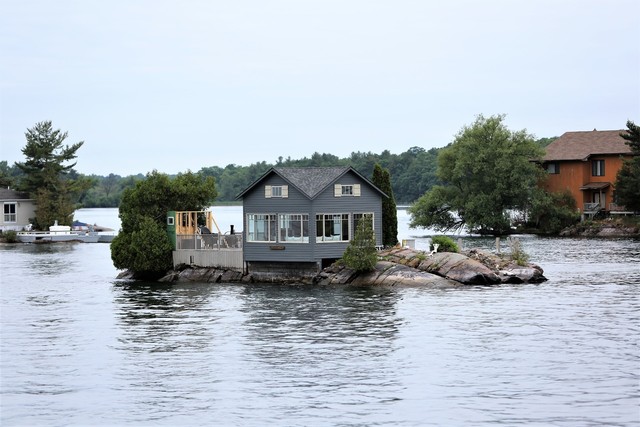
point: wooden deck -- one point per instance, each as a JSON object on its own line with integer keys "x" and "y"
{"x": 224, "y": 258}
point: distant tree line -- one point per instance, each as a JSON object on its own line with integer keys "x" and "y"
{"x": 412, "y": 172}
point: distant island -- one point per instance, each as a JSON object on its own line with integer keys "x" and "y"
{"x": 413, "y": 173}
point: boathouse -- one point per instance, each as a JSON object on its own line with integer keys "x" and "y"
{"x": 302, "y": 219}
{"x": 296, "y": 221}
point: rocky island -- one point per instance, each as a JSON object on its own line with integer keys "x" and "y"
{"x": 396, "y": 267}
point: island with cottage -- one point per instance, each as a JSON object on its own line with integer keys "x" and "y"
{"x": 298, "y": 223}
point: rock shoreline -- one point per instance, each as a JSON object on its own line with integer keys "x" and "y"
{"x": 396, "y": 267}
{"x": 603, "y": 228}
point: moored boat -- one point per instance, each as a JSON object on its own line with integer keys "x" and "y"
{"x": 60, "y": 233}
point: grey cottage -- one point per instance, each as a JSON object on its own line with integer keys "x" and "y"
{"x": 302, "y": 219}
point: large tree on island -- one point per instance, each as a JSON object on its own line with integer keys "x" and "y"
{"x": 143, "y": 246}
{"x": 486, "y": 172}
{"x": 47, "y": 174}
{"x": 628, "y": 179}
{"x": 382, "y": 179}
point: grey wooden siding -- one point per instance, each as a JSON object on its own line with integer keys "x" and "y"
{"x": 325, "y": 203}
{"x": 255, "y": 202}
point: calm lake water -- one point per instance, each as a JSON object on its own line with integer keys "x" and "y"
{"x": 79, "y": 347}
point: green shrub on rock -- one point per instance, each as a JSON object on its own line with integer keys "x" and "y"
{"x": 446, "y": 244}
{"x": 361, "y": 254}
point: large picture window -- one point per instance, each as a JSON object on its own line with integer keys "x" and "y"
{"x": 261, "y": 228}
{"x": 332, "y": 228}
{"x": 294, "y": 228}
{"x": 10, "y": 212}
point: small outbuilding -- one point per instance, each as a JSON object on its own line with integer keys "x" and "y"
{"x": 299, "y": 220}
{"x": 18, "y": 210}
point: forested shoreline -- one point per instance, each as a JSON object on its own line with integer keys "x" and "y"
{"x": 413, "y": 173}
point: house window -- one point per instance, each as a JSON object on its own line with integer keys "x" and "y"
{"x": 597, "y": 168}
{"x": 261, "y": 228}
{"x": 332, "y": 228}
{"x": 10, "y": 212}
{"x": 357, "y": 217}
{"x": 347, "y": 190}
{"x": 294, "y": 228}
{"x": 553, "y": 167}
{"x": 170, "y": 220}
{"x": 276, "y": 191}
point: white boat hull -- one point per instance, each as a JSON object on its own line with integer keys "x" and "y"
{"x": 34, "y": 237}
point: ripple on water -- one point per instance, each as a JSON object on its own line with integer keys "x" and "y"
{"x": 80, "y": 348}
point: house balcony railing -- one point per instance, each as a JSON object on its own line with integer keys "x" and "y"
{"x": 215, "y": 242}
{"x": 592, "y": 208}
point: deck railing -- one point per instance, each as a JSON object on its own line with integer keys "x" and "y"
{"x": 215, "y": 242}
{"x": 592, "y": 207}
{"x": 614, "y": 207}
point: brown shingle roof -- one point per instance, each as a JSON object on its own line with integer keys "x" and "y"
{"x": 8, "y": 194}
{"x": 581, "y": 145}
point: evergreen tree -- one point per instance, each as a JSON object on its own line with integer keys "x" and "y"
{"x": 361, "y": 253}
{"x": 628, "y": 179}
{"x": 382, "y": 179}
{"x": 47, "y": 174}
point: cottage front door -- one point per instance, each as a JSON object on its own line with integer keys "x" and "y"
{"x": 598, "y": 198}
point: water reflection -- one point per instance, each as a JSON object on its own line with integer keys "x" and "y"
{"x": 280, "y": 318}
{"x": 306, "y": 343}
{"x": 155, "y": 317}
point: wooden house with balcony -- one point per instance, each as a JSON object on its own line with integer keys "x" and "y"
{"x": 586, "y": 164}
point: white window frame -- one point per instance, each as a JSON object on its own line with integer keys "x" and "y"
{"x": 262, "y": 227}
{"x": 330, "y": 227}
{"x": 10, "y": 217}
{"x": 293, "y": 228}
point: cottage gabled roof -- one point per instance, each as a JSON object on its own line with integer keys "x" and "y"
{"x": 9, "y": 194}
{"x": 582, "y": 145}
{"x": 310, "y": 181}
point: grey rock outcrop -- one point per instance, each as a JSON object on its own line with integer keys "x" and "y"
{"x": 386, "y": 274}
{"x": 397, "y": 267}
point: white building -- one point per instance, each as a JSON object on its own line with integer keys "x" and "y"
{"x": 17, "y": 210}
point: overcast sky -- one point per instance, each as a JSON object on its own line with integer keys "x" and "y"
{"x": 180, "y": 85}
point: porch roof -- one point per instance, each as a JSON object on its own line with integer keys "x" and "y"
{"x": 595, "y": 186}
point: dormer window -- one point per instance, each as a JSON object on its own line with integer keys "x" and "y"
{"x": 276, "y": 191}
{"x": 346, "y": 190}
